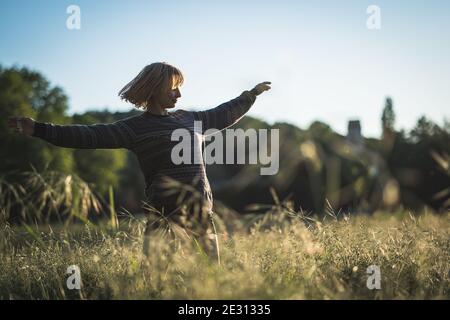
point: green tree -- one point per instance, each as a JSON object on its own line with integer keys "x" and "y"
{"x": 27, "y": 93}
{"x": 24, "y": 92}
{"x": 388, "y": 116}
{"x": 424, "y": 130}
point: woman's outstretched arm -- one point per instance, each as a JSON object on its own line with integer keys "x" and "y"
{"x": 96, "y": 136}
{"x": 230, "y": 112}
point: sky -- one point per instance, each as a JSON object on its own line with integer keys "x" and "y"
{"x": 323, "y": 61}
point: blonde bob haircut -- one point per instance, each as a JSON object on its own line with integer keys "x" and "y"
{"x": 155, "y": 78}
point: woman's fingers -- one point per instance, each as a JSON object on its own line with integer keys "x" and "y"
{"x": 14, "y": 119}
{"x": 263, "y": 86}
{"x": 266, "y": 85}
{"x": 12, "y": 122}
{"x": 20, "y": 124}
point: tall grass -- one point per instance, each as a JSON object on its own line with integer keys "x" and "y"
{"x": 281, "y": 254}
{"x": 289, "y": 261}
{"x": 49, "y": 195}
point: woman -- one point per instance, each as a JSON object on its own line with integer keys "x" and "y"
{"x": 155, "y": 90}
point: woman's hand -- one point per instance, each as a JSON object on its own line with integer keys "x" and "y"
{"x": 261, "y": 87}
{"x": 22, "y": 125}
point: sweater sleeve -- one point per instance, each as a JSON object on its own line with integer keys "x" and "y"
{"x": 97, "y": 136}
{"x": 226, "y": 114}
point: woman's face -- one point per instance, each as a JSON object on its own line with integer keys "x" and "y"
{"x": 168, "y": 99}
{"x": 174, "y": 94}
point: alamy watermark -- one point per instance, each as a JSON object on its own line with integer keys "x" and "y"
{"x": 374, "y": 279}
{"x": 73, "y": 21}
{"x": 374, "y": 20}
{"x": 74, "y": 280}
{"x": 182, "y": 153}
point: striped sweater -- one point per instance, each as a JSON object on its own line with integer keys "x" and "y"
{"x": 148, "y": 136}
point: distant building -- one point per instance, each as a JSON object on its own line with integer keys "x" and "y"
{"x": 354, "y": 132}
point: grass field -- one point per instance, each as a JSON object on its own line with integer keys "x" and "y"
{"x": 278, "y": 257}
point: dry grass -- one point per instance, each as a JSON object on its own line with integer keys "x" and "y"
{"x": 282, "y": 256}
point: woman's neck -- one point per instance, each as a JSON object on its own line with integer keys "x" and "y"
{"x": 157, "y": 110}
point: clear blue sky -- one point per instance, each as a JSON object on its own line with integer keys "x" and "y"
{"x": 323, "y": 62}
